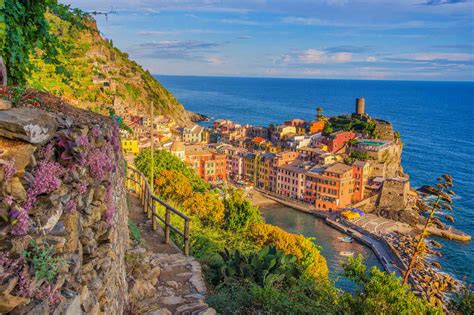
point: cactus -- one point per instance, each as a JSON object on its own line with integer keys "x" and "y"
{"x": 266, "y": 267}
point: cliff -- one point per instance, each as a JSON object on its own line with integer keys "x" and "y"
{"x": 96, "y": 75}
{"x": 63, "y": 209}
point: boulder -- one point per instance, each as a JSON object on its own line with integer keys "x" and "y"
{"x": 20, "y": 151}
{"x": 15, "y": 189}
{"x": 5, "y": 104}
{"x": 30, "y": 124}
{"x": 8, "y": 302}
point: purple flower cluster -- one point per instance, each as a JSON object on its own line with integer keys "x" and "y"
{"x": 9, "y": 169}
{"x": 9, "y": 266}
{"x": 46, "y": 180}
{"x": 20, "y": 220}
{"x": 95, "y": 132}
{"x": 100, "y": 164}
{"x": 71, "y": 206}
{"x": 47, "y": 151}
{"x": 82, "y": 188}
{"x": 110, "y": 210}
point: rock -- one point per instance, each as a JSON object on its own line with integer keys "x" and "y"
{"x": 8, "y": 302}
{"x": 19, "y": 244}
{"x": 171, "y": 300}
{"x": 30, "y": 124}
{"x": 208, "y": 311}
{"x": 40, "y": 308}
{"x": 20, "y": 151}
{"x": 142, "y": 289}
{"x": 161, "y": 311}
{"x": 51, "y": 216}
{"x": 72, "y": 228}
{"x": 56, "y": 241}
{"x": 5, "y": 104}
{"x": 14, "y": 188}
{"x": 70, "y": 307}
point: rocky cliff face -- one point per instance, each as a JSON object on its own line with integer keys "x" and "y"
{"x": 63, "y": 209}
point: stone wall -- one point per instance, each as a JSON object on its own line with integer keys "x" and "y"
{"x": 63, "y": 209}
{"x": 394, "y": 194}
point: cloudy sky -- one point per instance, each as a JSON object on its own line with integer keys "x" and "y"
{"x": 350, "y": 39}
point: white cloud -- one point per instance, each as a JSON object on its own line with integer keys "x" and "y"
{"x": 315, "y": 56}
{"x": 428, "y": 56}
{"x": 214, "y": 60}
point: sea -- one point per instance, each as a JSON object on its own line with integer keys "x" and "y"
{"x": 435, "y": 119}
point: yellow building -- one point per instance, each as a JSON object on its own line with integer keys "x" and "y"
{"x": 130, "y": 146}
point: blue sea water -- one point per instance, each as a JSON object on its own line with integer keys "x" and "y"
{"x": 435, "y": 119}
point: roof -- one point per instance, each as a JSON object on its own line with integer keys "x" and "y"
{"x": 338, "y": 168}
{"x": 315, "y": 150}
{"x": 360, "y": 163}
{"x": 258, "y": 140}
{"x": 298, "y": 166}
{"x": 177, "y": 146}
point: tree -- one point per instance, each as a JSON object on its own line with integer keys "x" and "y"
{"x": 24, "y": 30}
{"x": 173, "y": 186}
{"x": 319, "y": 111}
{"x": 378, "y": 292}
{"x": 207, "y": 206}
{"x": 443, "y": 201}
{"x": 164, "y": 160}
{"x": 239, "y": 212}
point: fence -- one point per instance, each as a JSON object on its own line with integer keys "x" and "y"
{"x": 137, "y": 182}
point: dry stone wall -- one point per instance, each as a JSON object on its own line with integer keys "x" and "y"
{"x": 63, "y": 209}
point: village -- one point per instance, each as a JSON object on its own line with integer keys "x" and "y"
{"x": 298, "y": 159}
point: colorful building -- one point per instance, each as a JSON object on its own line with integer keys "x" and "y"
{"x": 337, "y": 141}
{"x": 208, "y": 164}
{"x": 316, "y": 126}
{"x": 361, "y": 170}
{"x": 130, "y": 146}
{"x": 330, "y": 187}
{"x": 291, "y": 179}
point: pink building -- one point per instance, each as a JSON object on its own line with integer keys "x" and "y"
{"x": 291, "y": 179}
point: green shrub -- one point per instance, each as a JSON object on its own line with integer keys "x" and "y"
{"x": 134, "y": 231}
{"x": 41, "y": 258}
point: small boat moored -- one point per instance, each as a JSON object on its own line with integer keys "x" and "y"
{"x": 346, "y": 239}
{"x": 347, "y": 254}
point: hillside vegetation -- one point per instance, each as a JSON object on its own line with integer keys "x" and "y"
{"x": 95, "y": 74}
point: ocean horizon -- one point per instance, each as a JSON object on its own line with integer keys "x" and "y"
{"x": 435, "y": 119}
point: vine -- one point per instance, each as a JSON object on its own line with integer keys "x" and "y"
{"x": 24, "y": 30}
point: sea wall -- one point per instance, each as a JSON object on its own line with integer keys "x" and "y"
{"x": 63, "y": 209}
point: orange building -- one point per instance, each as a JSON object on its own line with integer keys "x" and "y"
{"x": 361, "y": 174}
{"x": 316, "y": 126}
{"x": 208, "y": 164}
{"x": 331, "y": 187}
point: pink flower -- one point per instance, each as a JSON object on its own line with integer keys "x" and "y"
{"x": 46, "y": 180}
{"x": 100, "y": 163}
{"x": 9, "y": 168}
{"x": 71, "y": 206}
{"x": 20, "y": 220}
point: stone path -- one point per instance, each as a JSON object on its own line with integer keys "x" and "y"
{"x": 180, "y": 285}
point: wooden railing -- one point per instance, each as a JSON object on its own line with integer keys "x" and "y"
{"x": 138, "y": 183}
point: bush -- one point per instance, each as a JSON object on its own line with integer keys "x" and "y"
{"x": 379, "y": 292}
{"x": 41, "y": 258}
{"x": 303, "y": 248}
{"x": 267, "y": 267}
{"x": 134, "y": 231}
{"x": 239, "y": 212}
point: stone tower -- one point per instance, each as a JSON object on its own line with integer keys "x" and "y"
{"x": 360, "y": 106}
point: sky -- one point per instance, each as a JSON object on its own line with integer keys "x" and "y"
{"x": 330, "y": 39}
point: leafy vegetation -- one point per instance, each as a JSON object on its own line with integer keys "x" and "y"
{"x": 134, "y": 231}
{"x": 357, "y": 125}
{"x": 378, "y": 292}
{"x": 25, "y": 30}
{"x": 463, "y": 303}
{"x": 42, "y": 259}
{"x": 266, "y": 268}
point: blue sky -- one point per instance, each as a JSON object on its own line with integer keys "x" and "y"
{"x": 358, "y": 39}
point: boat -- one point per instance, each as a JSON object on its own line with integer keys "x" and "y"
{"x": 349, "y": 254}
{"x": 346, "y": 239}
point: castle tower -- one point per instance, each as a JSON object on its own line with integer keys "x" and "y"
{"x": 360, "y": 106}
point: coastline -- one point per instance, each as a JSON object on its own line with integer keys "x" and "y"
{"x": 428, "y": 280}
